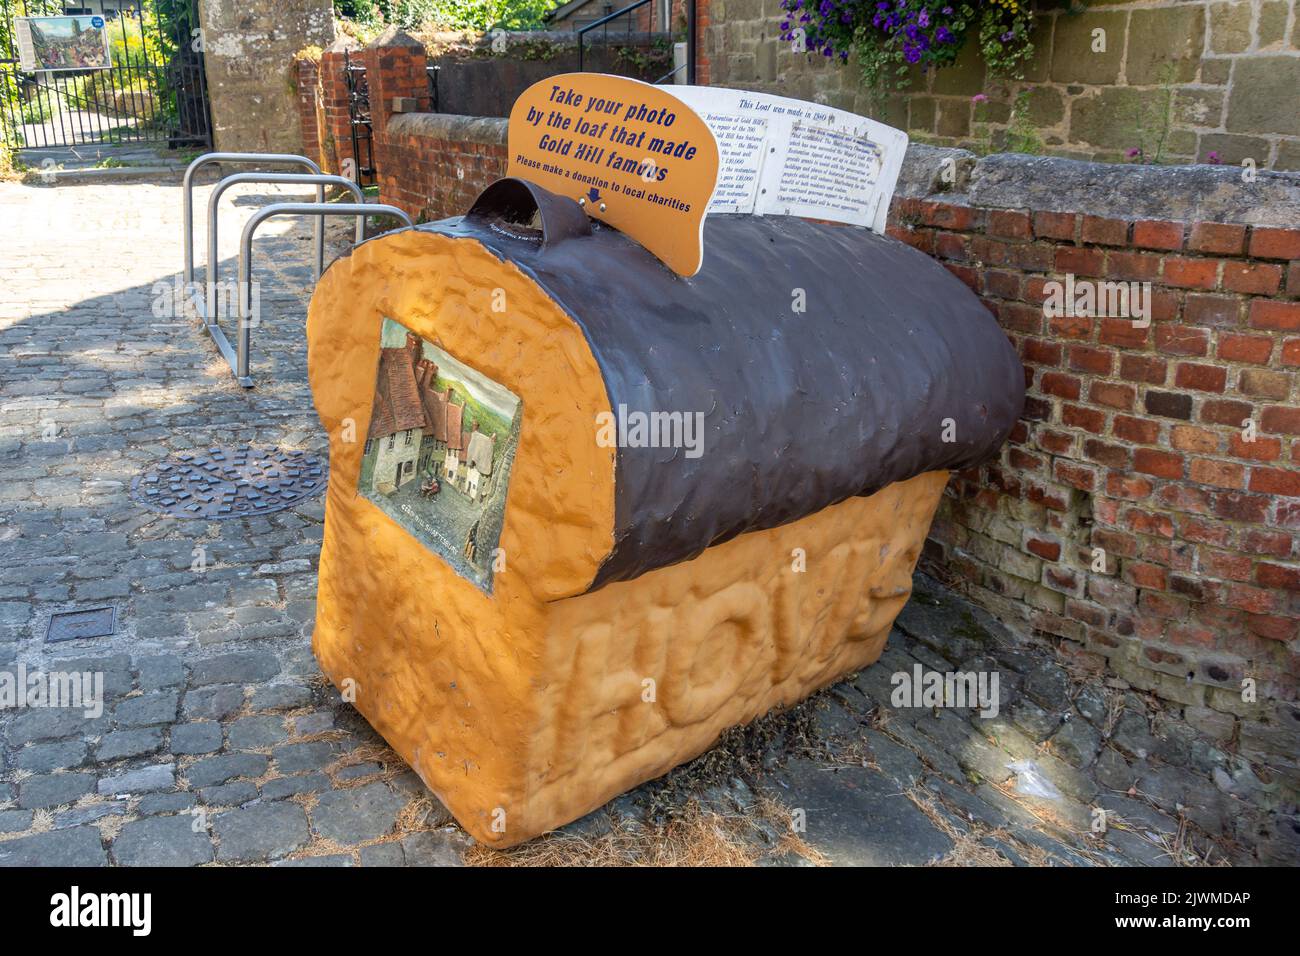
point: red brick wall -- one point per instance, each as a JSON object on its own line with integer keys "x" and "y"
{"x": 1132, "y": 442}
{"x": 703, "y": 20}
{"x": 417, "y": 166}
{"x": 391, "y": 72}
{"x": 434, "y": 165}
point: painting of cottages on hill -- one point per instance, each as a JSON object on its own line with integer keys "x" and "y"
{"x": 63, "y": 43}
{"x": 438, "y": 452}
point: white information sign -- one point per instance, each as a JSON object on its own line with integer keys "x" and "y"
{"x": 784, "y": 157}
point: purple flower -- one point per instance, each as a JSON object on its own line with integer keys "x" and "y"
{"x": 978, "y": 98}
{"x": 944, "y": 35}
{"x": 923, "y": 19}
{"x": 911, "y": 53}
{"x": 1133, "y": 151}
{"x": 1008, "y": 36}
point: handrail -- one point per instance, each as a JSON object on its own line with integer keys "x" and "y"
{"x": 583, "y": 31}
{"x": 671, "y": 73}
{"x": 318, "y": 179}
{"x": 270, "y": 158}
{"x": 239, "y": 361}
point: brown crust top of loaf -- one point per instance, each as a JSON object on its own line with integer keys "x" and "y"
{"x": 800, "y": 409}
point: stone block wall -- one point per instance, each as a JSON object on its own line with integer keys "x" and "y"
{"x": 311, "y": 108}
{"x": 1180, "y": 81}
{"x": 248, "y": 50}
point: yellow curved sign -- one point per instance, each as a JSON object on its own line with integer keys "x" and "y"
{"x": 636, "y": 157}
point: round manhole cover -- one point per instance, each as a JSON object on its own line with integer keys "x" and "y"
{"x": 229, "y": 482}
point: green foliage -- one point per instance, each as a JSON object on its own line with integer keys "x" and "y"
{"x": 1004, "y": 39}
{"x": 170, "y": 31}
{"x": 35, "y": 110}
{"x": 1152, "y": 120}
{"x": 1019, "y": 135}
{"x": 130, "y": 46}
{"x": 454, "y": 14}
{"x": 1022, "y": 136}
{"x": 658, "y": 57}
{"x": 135, "y": 50}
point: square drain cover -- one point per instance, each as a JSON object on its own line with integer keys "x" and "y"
{"x": 75, "y": 625}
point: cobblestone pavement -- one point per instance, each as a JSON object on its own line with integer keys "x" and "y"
{"x": 220, "y": 743}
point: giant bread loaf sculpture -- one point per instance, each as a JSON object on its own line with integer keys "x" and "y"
{"x": 615, "y": 606}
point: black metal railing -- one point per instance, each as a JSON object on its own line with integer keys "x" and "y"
{"x": 359, "y": 122}
{"x": 603, "y": 24}
{"x": 670, "y": 74}
{"x": 431, "y": 73}
{"x": 151, "y": 87}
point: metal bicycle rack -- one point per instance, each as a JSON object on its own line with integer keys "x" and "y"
{"x": 267, "y": 159}
{"x": 239, "y": 361}
{"x": 206, "y": 303}
{"x": 317, "y": 179}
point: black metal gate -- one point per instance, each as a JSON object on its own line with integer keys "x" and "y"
{"x": 363, "y": 151}
{"x": 143, "y": 85}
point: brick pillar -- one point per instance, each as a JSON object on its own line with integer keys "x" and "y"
{"x": 310, "y": 113}
{"x": 703, "y": 26}
{"x": 336, "y": 137}
{"x": 395, "y": 68}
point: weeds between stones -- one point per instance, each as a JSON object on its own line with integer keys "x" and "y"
{"x": 967, "y": 848}
{"x": 695, "y": 836}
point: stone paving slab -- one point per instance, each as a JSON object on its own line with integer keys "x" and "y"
{"x": 220, "y": 743}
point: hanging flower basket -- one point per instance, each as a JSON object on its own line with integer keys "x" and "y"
{"x": 890, "y": 37}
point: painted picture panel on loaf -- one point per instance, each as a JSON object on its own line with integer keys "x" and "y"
{"x": 438, "y": 452}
